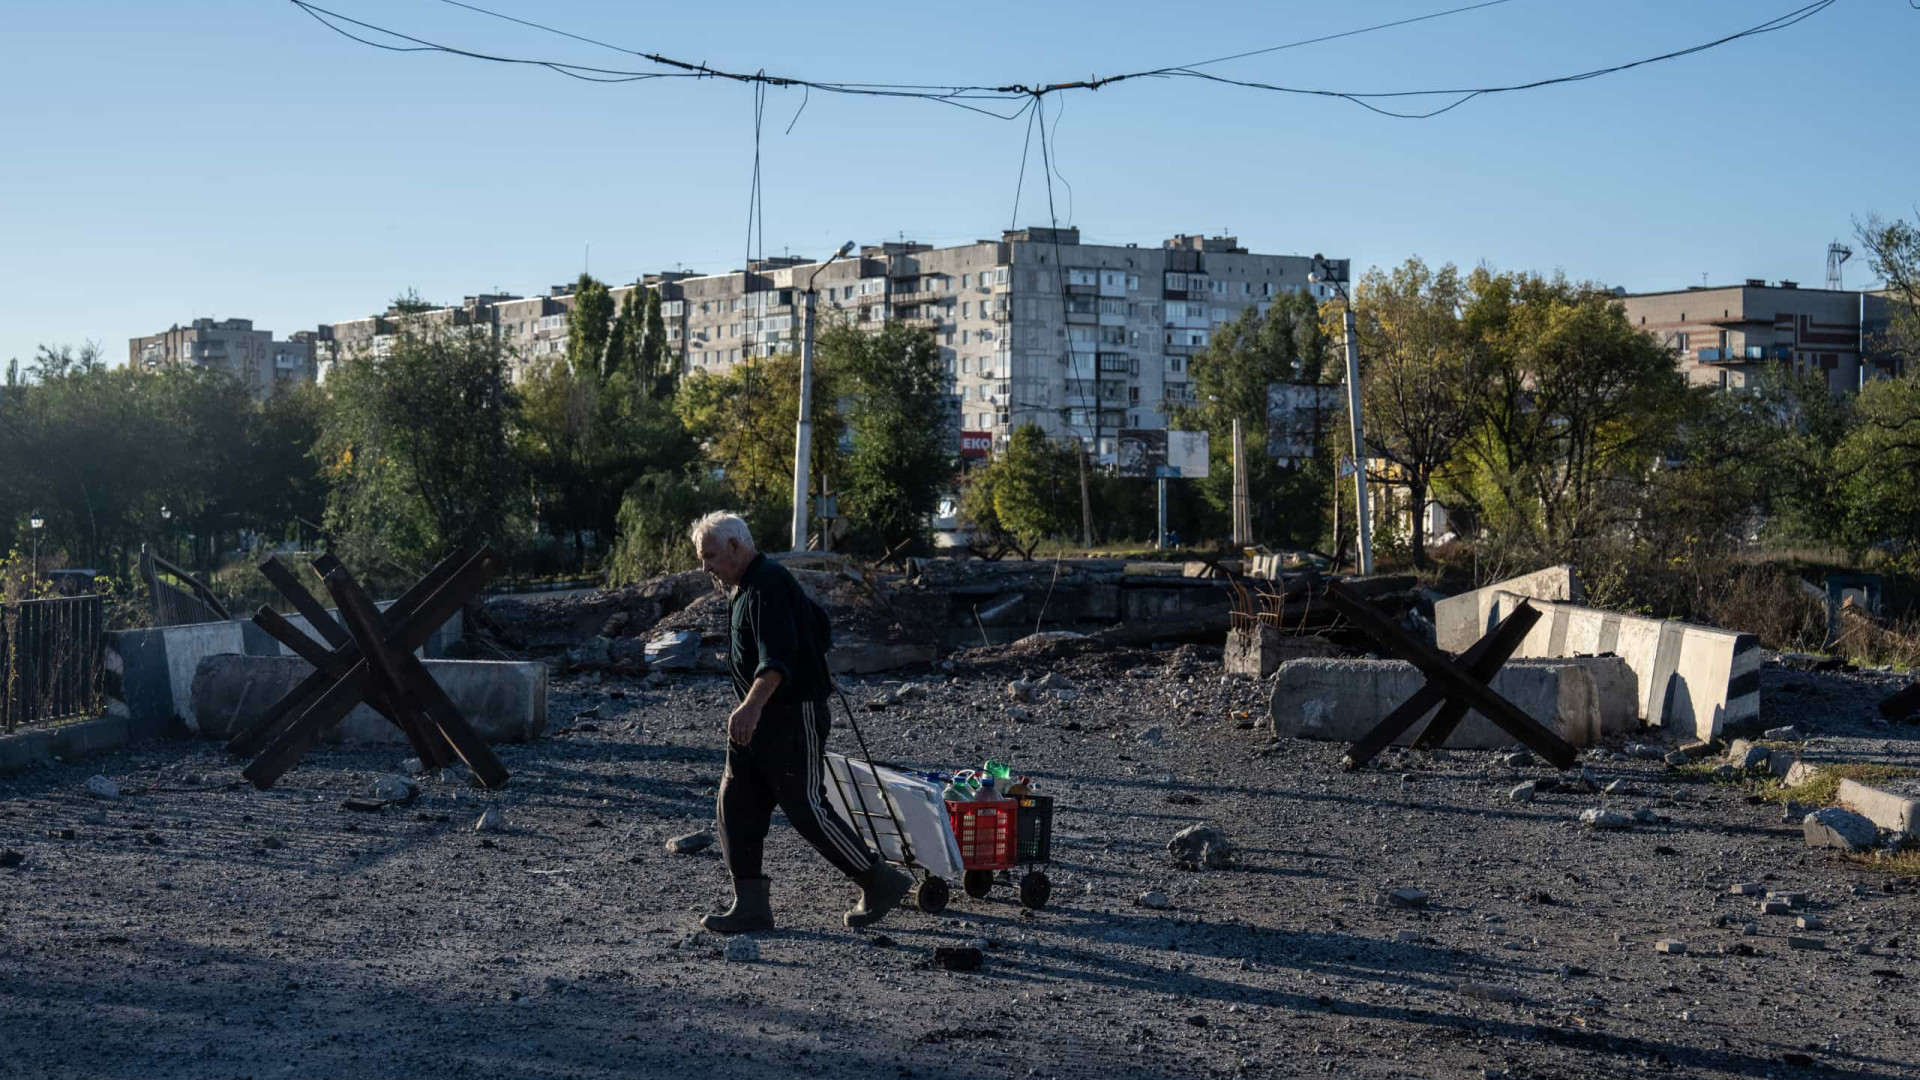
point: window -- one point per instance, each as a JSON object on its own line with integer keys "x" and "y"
{"x": 966, "y": 365}
{"x": 1082, "y": 277}
{"x": 965, "y": 337}
{"x": 965, "y": 280}
{"x": 966, "y": 309}
{"x": 1680, "y": 342}
{"x": 1176, "y": 281}
{"x": 1220, "y": 315}
{"x": 1133, "y": 395}
{"x": 999, "y": 275}
{"x": 1133, "y": 282}
{"x": 1176, "y": 363}
{"x": 1246, "y": 288}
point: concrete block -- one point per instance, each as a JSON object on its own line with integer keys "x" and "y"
{"x": 505, "y": 702}
{"x": 861, "y": 657}
{"x": 1459, "y": 621}
{"x": 1884, "y": 808}
{"x": 1691, "y": 679}
{"x": 1260, "y": 652}
{"x": 1834, "y": 827}
{"x": 1341, "y": 700}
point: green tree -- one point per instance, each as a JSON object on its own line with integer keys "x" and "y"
{"x": 1288, "y": 503}
{"x": 744, "y": 421}
{"x": 1417, "y": 381}
{"x": 416, "y": 447}
{"x": 1893, "y": 251}
{"x": 1874, "y": 469}
{"x": 623, "y": 349}
{"x": 655, "y": 514}
{"x": 1036, "y": 488}
{"x": 904, "y": 442}
{"x": 589, "y": 322}
{"x": 655, "y": 360}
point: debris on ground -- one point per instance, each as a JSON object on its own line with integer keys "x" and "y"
{"x": 492, "y": 821}
{"x": 395, "y": 789}
{"x": 102, "y": 788}
{"x": 1834, "y": 827}
{"x": 690, "y": 843}
{"x": 1201, "y": 847}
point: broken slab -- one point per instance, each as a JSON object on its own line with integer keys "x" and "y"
{"x": 1261, "y": 649}
{"x": 504, "y": 702}
{"x": 857, "y": 657}
{"x": 1459, "y": 621}
{"x": 1341, "y": 700}
{"x": 1896, "y": 813}
{"x": 1691, "y": 679}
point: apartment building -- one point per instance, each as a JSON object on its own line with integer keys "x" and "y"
{"x": 1035, "y": 327}
{"x": 1727, "y": 335}
{"x": 230, "y": 346}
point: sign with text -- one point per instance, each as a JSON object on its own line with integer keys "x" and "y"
{"x": 1148, "y": 453}
{"x": 976, "y": 445}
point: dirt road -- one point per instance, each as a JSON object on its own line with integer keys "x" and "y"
{"x": 197, "y": 928}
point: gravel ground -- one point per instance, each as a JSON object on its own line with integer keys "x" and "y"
{"x": 197, "y": 928}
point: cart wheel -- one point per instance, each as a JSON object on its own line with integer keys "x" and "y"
{"x": 930, "y": 896}
{"x": 978, "y": 882}
{"x": 1034, "y": 890}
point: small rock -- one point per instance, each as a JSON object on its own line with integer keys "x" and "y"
{"x": 1809, "y": 922}
{"x": 1524, "y": 792}
{"x": 1743, "y": 754}
{"x": 1404, "y": 898}
{"x": 102, "y": 788}
{"x": 1776, "y": 907}
{"x": 742, "y": 949}
{"x": 1814, "y": 943}
{"x": 1670, "y": 946}
{"x": 1834, "y": 827}
{"x": 1801, "y": 772}
{"x": 1616, "y": 787}
{"x": 690, "y": 843}
{"x": 1480, "y": 991}
{"x": 412, "y": 767}
{"x": 1019, "y": 712}
{"x": 1646, "y": 816}
{"x": 1678, "y": 757}
{"x": 398, "y": 789}
{"x": 492, "y": 821}
{"x": 1152, "y": 736}
{"x": 1201, "y": 847}
{"x": 1599, "y": 818}
{"x": 1746, "y": 888}
{"x": 1020, "y": 690}
{"x": 1154, "y": 899}
{"x": 1053, "y": 680}
{"x": 1792, "y": 811}
{"x": 1783, "y": 734}
{"x": 1645, "y": 751}
{"x": 1519, "y": 759}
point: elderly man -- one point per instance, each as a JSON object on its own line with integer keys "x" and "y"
{"x": 777, "y": 735}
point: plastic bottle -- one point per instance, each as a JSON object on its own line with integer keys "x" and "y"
{"x": 997, "y": 770}
{"x": 954, "y": 792}
{"x": 987, "y": 794}
{"x": 1022, "y": 786}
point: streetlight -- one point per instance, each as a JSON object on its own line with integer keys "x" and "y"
{"x": 803, "y": 429}
{"x": 36, "y": 523}
{"x": 166, "y": 515}
{"x": 1324, "y": 271}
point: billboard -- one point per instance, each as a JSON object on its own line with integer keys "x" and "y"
{"x": 1297, "y": 413}
{"x": 1147, "y": 453}
{"x": 976, "y": 445}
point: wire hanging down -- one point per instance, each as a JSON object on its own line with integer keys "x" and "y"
{"x": 963, "y": 96}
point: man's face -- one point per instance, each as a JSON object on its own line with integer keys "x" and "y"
{"x": 724, "y": 559}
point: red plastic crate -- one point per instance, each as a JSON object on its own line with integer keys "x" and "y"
{"x": 988, "y": 833}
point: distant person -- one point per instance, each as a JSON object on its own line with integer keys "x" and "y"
{"x": 777, "y": 735}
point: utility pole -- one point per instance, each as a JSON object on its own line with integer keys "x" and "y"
{"x": 1363, "y": 523}
{"x": 803, "y": 428}
{"x": 1161, "y": 540}
{"x": 1242, "y": 500}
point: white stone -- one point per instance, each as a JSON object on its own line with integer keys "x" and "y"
{"x": 102, "y": 788}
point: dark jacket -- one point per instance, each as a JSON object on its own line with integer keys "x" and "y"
{"x": 776, "y": 627}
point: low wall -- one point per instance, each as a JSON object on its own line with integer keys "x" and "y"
{"x": 1341, "y": 700}
{"x": 1459, "y": 621}
{"x": 150, "y": 672}
{"x": 1693, "y": 680}
{"x": 504, "y": 702}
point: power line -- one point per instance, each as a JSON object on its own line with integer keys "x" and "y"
{"x": 959, "y": 96}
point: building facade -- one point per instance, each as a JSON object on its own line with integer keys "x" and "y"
{"x": 232, "y": 347}
{"x": 1035, "y": 327}
{"x": 1727, "y": 335}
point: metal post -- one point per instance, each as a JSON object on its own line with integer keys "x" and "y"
{"x": 803, "y": 430}
{"x": 1242, "y": 525}
{"x": 1162, "y": 542}
{"x": 1364, "y": 521}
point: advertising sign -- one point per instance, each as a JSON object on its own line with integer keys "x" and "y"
{"x": 976, "y": 445}
{"x": 1296, "y": 415}
{"x": 1147, "y": 453}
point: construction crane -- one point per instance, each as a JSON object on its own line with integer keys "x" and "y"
{"x": 1837, "y": 254}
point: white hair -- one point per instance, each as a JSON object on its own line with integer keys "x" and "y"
{"x": 721, "y": 525}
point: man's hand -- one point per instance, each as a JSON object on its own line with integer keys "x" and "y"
{"x": 745, "y": 718}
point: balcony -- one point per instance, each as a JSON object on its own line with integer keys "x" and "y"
{"x": 1001, "y": 314}
{"x": 922, "y": 322}
{"x": 920, "y": 297}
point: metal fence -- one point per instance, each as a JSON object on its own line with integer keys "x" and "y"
{"x": 49, "y": 660}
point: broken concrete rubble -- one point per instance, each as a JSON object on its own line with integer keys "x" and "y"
{"x": 1834, "y": 827}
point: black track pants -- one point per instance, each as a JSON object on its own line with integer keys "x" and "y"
{"x": 785, "y": 766}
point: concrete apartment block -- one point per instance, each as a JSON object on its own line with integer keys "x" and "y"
{"x": 1341, "y": 700}
{"x": 232, "y": 347}
{"x": 1459, "y": 621}
{"x": 1692, "y": 679}
{"x": 1035, "y": 327}
{"x": 504, "y": 702}
{"x": 1726, "y": 335}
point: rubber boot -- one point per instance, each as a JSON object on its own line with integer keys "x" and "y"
{"x": 752, "y": 909}
{"x": 881, "y": 887}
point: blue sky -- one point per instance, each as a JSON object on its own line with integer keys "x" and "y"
{"x": 234, "y": 158}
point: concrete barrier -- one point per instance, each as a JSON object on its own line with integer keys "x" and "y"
{"x": 1259, "y": 652}
{"x": 150, "y": 672}
{"x": 1884, "y": 808}
{"x": 504, "y": 702}
{"x": 1459, "y": 621}
{"x": 1692, "y": 679}
{"x": 1342, "y": 700}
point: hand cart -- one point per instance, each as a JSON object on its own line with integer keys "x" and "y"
{"x": 1003, "y": 834}
{"x": 901, "y": 815}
